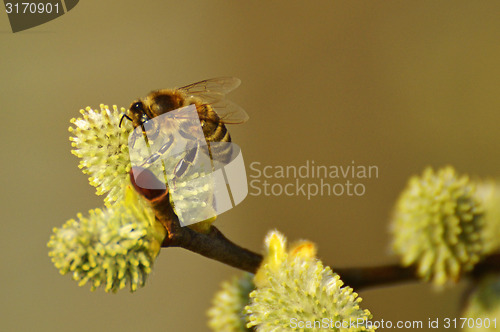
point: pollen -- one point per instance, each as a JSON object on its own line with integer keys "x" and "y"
{"x": 102, "y": 146}
{"x": 293, "y": 285}
{"x": 113, "y": 247}
{"x": 437, "y": 225}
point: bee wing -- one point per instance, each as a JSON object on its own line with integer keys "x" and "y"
{"x": 213, "y": 92}
{"x": 221, "y": 85}
{"x": 229, "y": 112}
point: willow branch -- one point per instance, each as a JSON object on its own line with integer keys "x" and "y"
{"x": 213, "y": 244}
{"x": 375, "y": 276}
{"x": 216, "y": 246}
{"x": 390, "y": 275}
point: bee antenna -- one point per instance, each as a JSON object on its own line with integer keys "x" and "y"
{"x": 124, "y": 116}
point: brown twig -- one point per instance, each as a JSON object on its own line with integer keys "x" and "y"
{"x": 372, "y": 276}
{"x": 216, "y": 246}
{"x": 213, "y": 244}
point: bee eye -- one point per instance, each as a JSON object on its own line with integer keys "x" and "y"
{"x": 137, "y": 106}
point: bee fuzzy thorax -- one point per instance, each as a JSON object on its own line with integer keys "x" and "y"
{"x": 162, "y": 101}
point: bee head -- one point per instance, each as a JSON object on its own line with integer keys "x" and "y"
{"x": 137, "y": 113}
{"x": 156, "y": 103}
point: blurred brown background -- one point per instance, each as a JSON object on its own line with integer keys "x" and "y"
{"x": 396, "y": 84}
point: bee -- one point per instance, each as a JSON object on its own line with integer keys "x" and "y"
{"x": 214, "y": 112}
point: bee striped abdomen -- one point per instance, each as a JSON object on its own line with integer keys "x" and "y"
{"x": 213, "y": 128}
{"x": 215, "y": 131}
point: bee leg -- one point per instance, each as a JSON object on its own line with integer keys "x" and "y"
{"x": 154, "y": 157}
{"x": 161, "y": 151}
{"x": 167, "y": 145}
{"x": 184, "y": 164}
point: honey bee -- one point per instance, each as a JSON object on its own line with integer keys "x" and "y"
{"x": 214, "y": 112}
